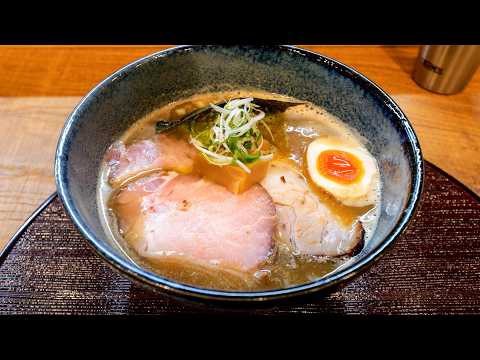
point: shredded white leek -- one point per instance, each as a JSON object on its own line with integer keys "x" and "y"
{"x": 234, "y": 137}
{"x": 222, "y": 158}
{"x": 243, "y": 166}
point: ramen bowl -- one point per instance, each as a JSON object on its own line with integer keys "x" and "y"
{"x": 160, "y": 78}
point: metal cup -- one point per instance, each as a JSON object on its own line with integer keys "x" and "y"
{"x": 446, "y": 69}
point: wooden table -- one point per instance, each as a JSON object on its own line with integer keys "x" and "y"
{"x": 40, "y": 85}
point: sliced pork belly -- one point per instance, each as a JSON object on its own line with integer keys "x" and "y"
{"x": 170, "y": 215}
{"x": 161, "y": 152}
{"x": 304, "y": 220}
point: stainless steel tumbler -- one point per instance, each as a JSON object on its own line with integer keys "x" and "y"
{"x": 446, "y": 69}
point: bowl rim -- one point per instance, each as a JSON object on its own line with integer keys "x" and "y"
{"x": 159, "y": 282}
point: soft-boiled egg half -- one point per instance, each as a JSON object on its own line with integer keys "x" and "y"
{"x": 346, "y": 171}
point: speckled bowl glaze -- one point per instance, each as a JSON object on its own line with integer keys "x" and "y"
{"x": 146, "y": 84}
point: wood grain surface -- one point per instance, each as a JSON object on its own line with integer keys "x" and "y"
{"x": 40, "y": 85}
{"x": 433, "y": 268}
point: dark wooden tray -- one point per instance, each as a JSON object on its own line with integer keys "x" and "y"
{"x": 433, "y": 268}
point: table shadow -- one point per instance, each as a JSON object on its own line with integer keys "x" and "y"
{"x": 401, "y": 57}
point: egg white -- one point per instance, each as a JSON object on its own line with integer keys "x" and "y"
{"x": 361, "y": 193}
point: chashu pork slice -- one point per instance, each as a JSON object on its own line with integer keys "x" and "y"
{"x": 304, "y": 220}
{"x": 161, "y": 152}
{"x": 186, "y": 217}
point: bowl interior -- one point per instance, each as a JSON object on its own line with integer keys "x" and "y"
{"x": 149, "y": 83}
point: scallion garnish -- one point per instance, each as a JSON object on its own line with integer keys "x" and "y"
{"x": 232, "y": 137}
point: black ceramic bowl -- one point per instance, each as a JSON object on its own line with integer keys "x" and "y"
{"x": 146, "y": 84}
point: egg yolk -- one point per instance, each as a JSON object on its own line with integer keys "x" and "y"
{"x": 340, "y": 166}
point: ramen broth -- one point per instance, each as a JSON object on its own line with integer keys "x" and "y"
{"x": 293, "y": 131}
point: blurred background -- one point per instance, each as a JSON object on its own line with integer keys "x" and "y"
{"x": 40, "y": 85}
